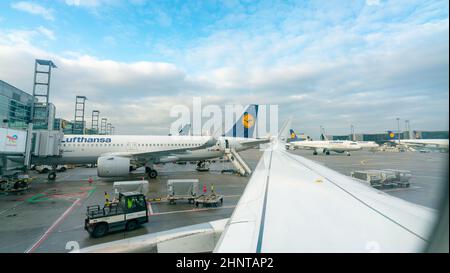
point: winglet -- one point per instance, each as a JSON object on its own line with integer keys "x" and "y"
{"x": 284, "y": 134}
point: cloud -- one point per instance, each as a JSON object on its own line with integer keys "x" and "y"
{"x": 47, "y": 33}
{"x": 94, "y": 3}
{"x": 326, "y": 69}
{"x": 88, "y": 3}
{"x": 35, "y": 9}
{"x": 373, "y": 2}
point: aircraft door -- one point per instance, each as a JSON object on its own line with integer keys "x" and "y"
{"x": 224, "y": 144}
{"x": 131, "y": 146}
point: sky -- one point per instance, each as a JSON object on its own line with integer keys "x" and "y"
{"x": 325, "y": 63}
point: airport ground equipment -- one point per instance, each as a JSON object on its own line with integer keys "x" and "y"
{"x": 387, "y": 178}
{"x": 47, "y": 168}
{"x": 203, "y": 166}
{"x": 127, "y": 213}
{"x": 211, "y": 200}
{"x": 15, "y": 183}
{"x": 140, "y": 186}
{"x": 233, "y": 156}
{"x": 182, "y": 189}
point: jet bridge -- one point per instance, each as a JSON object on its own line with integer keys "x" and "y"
{"x": 12, "y": 150}
{"x": 15, "y": 148}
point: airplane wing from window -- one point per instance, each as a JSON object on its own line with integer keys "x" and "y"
{"x": 292, "y": 204}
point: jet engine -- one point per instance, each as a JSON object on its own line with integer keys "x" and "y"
{"x": 113, "y": 166}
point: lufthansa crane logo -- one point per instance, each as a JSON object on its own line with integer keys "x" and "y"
{"x": 391, "y": 135}
{"x": 248, "y": 121}
{"x": 293, "y": 135}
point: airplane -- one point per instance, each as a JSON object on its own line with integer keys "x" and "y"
{"x": 325, "y": 146}
{"x": 369, "y": 145}
{"x": 117, "y": 155}
{"x": 438, "y": 143}
{"x": 293, "y": 204}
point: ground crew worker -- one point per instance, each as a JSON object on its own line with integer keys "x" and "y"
{"x": 130, "y": 203}
{"x": 212, "y": 188}
{"x": 107, "y": 203}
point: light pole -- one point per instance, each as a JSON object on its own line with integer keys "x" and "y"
{"x": 407, "y": 128}
{"x": 398, "y": 129}
{"x": 352, "y": 131}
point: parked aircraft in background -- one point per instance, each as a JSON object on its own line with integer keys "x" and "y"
{"x": 325, "y": 146}
{"x": 419, "y": 143}
{"x": 369, "y": 145}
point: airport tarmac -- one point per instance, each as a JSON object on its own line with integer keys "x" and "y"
{"x": 49, "y": 217}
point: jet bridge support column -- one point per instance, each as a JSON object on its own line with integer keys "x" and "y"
{"x": 79, "y": 123}
{"x": 94, "y": 122}
{"x": 103, "y": 126}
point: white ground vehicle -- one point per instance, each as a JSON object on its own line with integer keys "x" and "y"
{"x": 47, "y": 168}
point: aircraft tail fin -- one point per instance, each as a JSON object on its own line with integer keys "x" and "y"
{"x": 293, "y": 135}
{"x": 185, "y": 130}
{"x": 245, "y": 125}
{"x": 392, "y": 135}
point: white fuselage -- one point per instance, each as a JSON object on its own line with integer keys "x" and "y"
{"x": 368, "y": 145}
{"x": 86, "y": 149}
{"x": 441, "y": 143}
{"x": 338, "y": 146}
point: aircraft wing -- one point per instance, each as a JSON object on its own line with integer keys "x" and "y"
{"x": 253, "y": 142}
{"x": 169, "y": 151}
{"x": 292, "y": 204}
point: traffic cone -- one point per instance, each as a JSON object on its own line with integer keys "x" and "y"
{"x": 204, "y": 188}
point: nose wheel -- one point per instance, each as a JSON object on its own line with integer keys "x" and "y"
{"x": 51, "y": 176}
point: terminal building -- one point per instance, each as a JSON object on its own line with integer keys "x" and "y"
{"x": 15, "y": 112}
{"x": 15, "y": 107}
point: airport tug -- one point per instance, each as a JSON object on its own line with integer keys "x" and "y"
{"x": 127, "y": 213}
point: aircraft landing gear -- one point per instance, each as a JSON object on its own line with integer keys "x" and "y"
{"x": 327, "y": 152}
{"x": 202, "y": 166}
{"x": 51, "y": 176}
{"x": 152, "y": 174}
{"x": 348, "y": 154}
{"x": 315, "y": 153}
